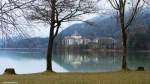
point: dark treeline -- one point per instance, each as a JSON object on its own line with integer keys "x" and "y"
{"x": 26, "y": 43}
{"x": 140, "y": 39}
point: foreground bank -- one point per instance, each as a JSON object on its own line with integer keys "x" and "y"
{"x": 132, "y": 77}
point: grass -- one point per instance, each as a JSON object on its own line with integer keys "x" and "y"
{"x": 131, "y": 77}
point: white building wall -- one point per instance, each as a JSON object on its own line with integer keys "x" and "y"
{"x": 75, "y": 39}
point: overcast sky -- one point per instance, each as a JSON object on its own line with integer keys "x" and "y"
{"x": 42, "y": 30}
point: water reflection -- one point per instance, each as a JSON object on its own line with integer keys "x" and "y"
{"x": 81, "y": 61}
{"x": 67, "y": 61}
{"x": 137, "y": 59}
{"x": 89, "y": 61}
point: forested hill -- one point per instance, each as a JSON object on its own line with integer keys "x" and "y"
{"x": 105, "y": 26}
{"x": 93, "y": 28}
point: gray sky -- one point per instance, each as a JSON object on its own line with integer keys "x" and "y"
{"x": 42, "y": 30}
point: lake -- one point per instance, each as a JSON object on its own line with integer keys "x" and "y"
{"x": 33, "y": 61}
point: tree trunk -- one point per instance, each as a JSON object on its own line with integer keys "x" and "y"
{"x": 49, "y": 54}
{"x": 51, "y": 37}
{"x": 124, "y": 40}
{"x": 125, "y": 51}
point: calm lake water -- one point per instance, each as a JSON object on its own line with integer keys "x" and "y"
{"x": 34, "y": 61}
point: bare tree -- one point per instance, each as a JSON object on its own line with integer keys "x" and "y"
{"x": 121, "y": 6}
{"x": 9, "y": 12}
{"x": 54, "y": 12}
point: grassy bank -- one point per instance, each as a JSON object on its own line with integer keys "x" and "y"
{"x": 132, "y": 77}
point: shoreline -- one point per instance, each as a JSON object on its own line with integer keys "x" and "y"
{"x": 120, "y": 77}
{"x": 102, "y": 50}
{"x": 90, "y": 50}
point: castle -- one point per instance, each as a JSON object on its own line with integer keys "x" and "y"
{"x": 100, "y": 42}
{"x": 75, "y": 39}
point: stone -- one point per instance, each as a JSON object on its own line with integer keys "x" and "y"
{"x": 140, "y": 68}
{"x": 10, "y": 71}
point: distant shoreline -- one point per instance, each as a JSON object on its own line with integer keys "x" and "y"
{"x": 103, "y": 50}
{"x": 88, "y": 50}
